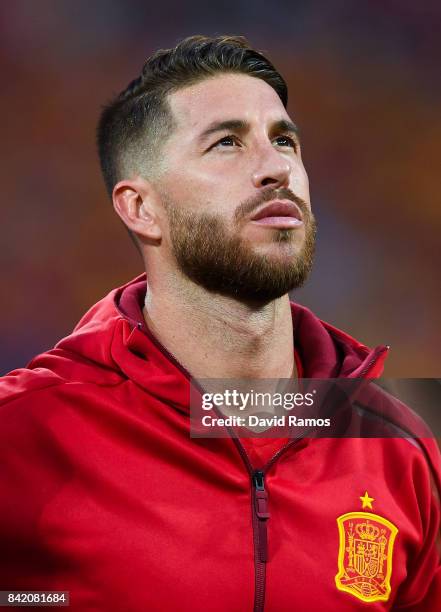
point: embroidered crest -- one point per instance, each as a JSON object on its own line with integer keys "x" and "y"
{"x": 365, "y": 554}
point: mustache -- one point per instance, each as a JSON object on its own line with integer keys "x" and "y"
{"x": 283, "y": 193}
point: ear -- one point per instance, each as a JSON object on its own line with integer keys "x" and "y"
{"x": 134, "y": 202}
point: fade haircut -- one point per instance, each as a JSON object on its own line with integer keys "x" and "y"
{"x": 133, "y": 125}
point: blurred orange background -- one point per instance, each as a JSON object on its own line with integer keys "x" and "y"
{"x": 365, "y": 90}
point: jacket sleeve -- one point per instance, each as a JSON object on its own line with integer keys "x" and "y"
{"x": 422, "y": 589}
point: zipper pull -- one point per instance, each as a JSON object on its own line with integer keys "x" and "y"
{"x": 262, "y": 512}
{"x": 260, "y": 496}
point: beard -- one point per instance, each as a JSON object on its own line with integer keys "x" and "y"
{"x": 220, "y": 261}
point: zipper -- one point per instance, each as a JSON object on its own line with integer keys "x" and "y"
{"x": 259, "y": 566}
{"x": 260, "y": 542}
{"x": 260, "y": 515}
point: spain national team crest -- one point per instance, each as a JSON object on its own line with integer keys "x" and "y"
{"x": 365, "y": 554}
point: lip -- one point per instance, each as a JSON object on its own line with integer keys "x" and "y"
{"x": 279, "y": 214}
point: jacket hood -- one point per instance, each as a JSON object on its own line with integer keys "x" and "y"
{"x": 111, "y": 343}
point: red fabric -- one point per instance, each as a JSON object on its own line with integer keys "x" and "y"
{"x": 104, "y": 494}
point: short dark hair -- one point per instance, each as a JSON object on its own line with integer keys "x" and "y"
{"x": 131, "y": 125}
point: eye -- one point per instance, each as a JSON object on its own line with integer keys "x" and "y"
{"x": 286, "y": 141}
{"x": 226, "y": 141}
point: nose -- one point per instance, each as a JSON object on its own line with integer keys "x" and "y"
{"x": 272, "y": 169}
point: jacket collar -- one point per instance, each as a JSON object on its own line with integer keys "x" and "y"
{"x": 324, "y": 350}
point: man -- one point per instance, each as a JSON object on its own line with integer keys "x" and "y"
{"x": 104, "y": 492}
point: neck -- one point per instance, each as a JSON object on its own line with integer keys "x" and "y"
{"x": 215, "y": 336}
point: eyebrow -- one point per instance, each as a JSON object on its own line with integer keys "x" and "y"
{"x": 239, "y": 125}
{"x": 285, "y": 126}
{"x": 236, "y": 125}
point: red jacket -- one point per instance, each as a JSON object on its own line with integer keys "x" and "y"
{"x": 105, "y": 495}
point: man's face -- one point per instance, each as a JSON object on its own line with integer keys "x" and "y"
{"x": 235, "y": 191}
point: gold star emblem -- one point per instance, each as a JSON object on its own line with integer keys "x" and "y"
{"x": 367, "y": 501}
